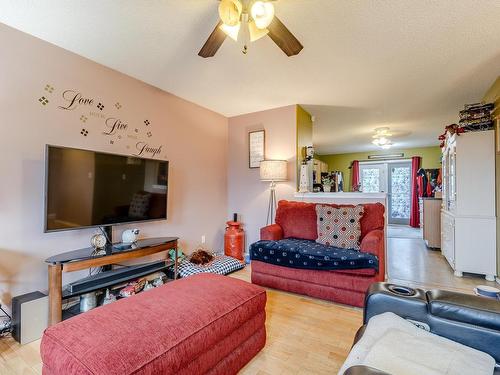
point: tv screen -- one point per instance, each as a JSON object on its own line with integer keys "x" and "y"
{"x": 89, "y": 189}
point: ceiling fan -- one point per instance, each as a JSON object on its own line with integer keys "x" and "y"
{"x": 253, "y": 18}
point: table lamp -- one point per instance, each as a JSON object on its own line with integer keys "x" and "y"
{"x": 273, "y": 171}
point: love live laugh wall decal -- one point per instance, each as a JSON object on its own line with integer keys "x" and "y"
{"x": 137, "y": 137}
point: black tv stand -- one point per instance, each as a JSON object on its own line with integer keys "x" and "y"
{"x": 87, "y": 258}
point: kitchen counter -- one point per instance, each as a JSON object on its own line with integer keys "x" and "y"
{"x": 342, "y": 198}
{"x": 342, "y": 195}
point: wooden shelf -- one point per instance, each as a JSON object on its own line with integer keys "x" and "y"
{"x": 118, "y": 276}
{"x": 75, "y": 309}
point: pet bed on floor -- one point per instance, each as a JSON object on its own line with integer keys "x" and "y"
{"x": 221, "y": 265}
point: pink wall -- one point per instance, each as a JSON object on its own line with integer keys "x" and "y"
{"x": 193, "y": 139}
{"x": 247, "y": 195}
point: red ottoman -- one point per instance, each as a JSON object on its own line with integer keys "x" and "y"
{"x": 204, "y": 324}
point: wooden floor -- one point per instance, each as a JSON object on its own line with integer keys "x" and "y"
{"x": 304, "y": 336}
{"x": 18, "y": 359}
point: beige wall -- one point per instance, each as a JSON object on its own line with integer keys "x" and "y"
{"x": 247, "y": 195}
{"x": 193, "y": 139}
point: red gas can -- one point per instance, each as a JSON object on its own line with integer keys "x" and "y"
{"x": 234, "y": 240}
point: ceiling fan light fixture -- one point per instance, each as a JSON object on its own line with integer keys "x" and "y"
{"x": 262, "y": 13}
{"x": 230, "y": 12}
{"x": 255, "y": 32}
{"x": 382, "y": 138}
{"x": 382, "y": 142}
{"x": 231, "y": 31}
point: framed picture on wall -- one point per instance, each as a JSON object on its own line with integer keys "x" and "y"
{"x": 256, "y": 148}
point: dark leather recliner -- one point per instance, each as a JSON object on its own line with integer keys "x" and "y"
{"x": 467, "y": 319}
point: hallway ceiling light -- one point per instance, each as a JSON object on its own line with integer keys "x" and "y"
{"x": 382, "y": 138}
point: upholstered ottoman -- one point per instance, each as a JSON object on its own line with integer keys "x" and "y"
{"x": 204, "y": 324}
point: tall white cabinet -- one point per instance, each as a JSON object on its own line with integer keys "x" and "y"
{"x": 468, "y": 218}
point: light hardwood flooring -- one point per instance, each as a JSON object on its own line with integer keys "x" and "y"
{"x": 304, "y": 336}
{"x": 18, "y": 359}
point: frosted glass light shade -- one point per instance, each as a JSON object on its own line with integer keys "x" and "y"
{"x": 231, "y": 31}
{"x": 262, "y": 13}
{"x": 230, "y": 12}
{"x": 273, "y": 170}
{"x": 255, "y": 32}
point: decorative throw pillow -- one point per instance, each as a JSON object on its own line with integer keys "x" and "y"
{"x": 297, "y": 219}
{"x": 340, "y": 226}
{"x": 140, "y": 205}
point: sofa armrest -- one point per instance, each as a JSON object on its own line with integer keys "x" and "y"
{"x": 464, "y": 308}
{"x": 272, "y": 232}
{"x": 374, "y": 243}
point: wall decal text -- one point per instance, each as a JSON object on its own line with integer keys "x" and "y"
{"x": 74, "y": 99}
{"x": 133, "y": 135}
{"x": 144, "y": 149}
{"x": 114, "y": 124}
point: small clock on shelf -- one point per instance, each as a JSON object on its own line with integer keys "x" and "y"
{"x": 98, "y": 241}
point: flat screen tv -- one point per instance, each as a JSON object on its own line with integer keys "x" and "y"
{"x": 96, "y": 189}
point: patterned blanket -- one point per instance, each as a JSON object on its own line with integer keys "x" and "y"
{"x": 306, "y": 254}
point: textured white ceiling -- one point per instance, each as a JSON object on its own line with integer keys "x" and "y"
{"x": 405, "y": 64}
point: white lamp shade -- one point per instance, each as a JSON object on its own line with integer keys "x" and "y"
{"x": 273, "y": 170}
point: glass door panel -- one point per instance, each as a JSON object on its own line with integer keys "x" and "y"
{"x": 399, "y": 193}
{"x": 373, "y": 177}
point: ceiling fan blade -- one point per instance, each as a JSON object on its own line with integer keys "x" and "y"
{"x": 213, "y": 42}
{"x": 285, "y": 40}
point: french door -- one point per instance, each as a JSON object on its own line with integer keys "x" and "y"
{"x": 399, "y": 194}
{"x": 393, "y": 178}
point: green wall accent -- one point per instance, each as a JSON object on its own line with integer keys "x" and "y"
{"x": 431, "y": 158}
{"x": 304, "y": 135}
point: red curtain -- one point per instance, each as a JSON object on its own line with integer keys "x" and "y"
{"x": 355, "y": 175}
{"x": 414, "y": 212}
